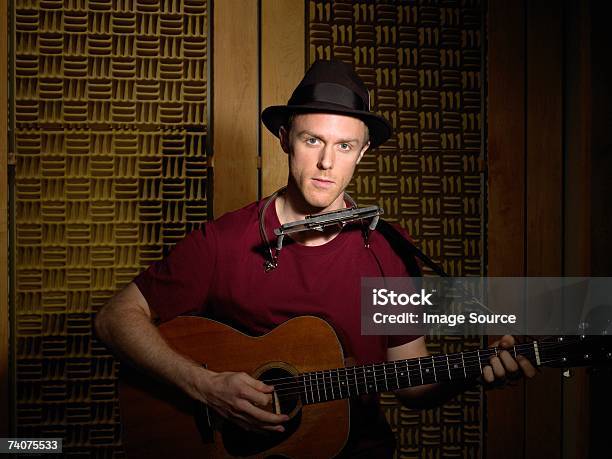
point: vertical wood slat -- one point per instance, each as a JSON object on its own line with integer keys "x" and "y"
{"x": 506, "y": 193}
{"x": 4, "y": 293}
{"x": 282, "y": 67}
{"x": 544, "y": 203}
{"x": 577, "y": 218}
{"x": 235, "y": 104}
{"x": 578, "y": 169}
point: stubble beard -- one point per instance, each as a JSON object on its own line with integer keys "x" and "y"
{"x": 306, "y": 202}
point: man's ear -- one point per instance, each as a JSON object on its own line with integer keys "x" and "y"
{"x": 283, "y": 136}
{"x": 363, "y": 150}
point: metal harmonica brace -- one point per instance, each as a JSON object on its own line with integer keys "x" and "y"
{"x": 320, "y": 221}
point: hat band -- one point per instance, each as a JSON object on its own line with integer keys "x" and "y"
{"x": 328, "y": 92}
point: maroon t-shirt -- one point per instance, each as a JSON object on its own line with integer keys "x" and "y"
{"x": 218, "y": 272}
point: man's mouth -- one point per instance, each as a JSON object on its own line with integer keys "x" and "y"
{"x": 323, "y": 183}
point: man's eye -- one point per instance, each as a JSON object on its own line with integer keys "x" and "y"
{"x": 345, "y": 146}
{"x": 312, "y": 141}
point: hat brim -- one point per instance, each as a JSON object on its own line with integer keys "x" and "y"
{"x": 379, "y": 128}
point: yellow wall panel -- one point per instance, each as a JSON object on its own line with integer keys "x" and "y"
{"x": 112, "y": 168}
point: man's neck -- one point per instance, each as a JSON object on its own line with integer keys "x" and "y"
{"x": 288, "y": 209}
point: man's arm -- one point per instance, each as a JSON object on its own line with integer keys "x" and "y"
{"x": 125, "y": 324}
{"x": 431, "y": 395}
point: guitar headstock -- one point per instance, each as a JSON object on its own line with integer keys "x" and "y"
{"x": 576, "y": 351}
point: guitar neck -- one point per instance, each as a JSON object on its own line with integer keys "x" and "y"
{"x": 339, "y": 383}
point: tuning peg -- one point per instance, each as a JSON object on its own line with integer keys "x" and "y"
{"x": 567, "y": 373}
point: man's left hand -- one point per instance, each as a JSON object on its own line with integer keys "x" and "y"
{"x": 503, "y": 366}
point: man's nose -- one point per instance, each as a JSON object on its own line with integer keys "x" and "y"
{"x": 326, "y": 160}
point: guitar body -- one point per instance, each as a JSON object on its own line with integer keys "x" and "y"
{"x": 160, "y": 421}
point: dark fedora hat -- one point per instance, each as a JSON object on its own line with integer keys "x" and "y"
{"x": 330, "y": 87}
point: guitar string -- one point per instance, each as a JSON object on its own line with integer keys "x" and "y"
{"x": 363, "y": 385}
{"x": 318, "y": 381}
{"x": 453, "y": 358}
{"x": 411, "y": 367}
{"x": 285, "y": 396}
{"x": 301, "y": 388}
{"x": 457, "y": 356}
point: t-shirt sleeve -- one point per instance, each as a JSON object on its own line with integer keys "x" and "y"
{"x": 179, "y": 283}
{"x": 398, "y": 340}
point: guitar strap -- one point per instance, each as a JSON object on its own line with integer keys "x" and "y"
{"x": 407, "y": 251}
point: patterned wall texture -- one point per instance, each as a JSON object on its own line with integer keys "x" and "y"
{"x": 111, "y": 133}
{"x": 422, "y": 61}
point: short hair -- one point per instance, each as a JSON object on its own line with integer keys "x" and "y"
{"x": 288, "y": 124}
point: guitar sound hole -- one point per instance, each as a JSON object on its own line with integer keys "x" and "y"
{"x": 286, "y": 387}
{"x": 239, "y": 442}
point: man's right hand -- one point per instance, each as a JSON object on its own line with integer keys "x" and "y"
{"x": 125, "y": 325}
{"x": 239, "y": 398}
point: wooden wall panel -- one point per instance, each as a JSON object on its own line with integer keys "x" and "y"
{"x": 544, "y": 161}
{"x": 544, "y": 203}
{"x": 506, "y": 138}
{"x": 577, "y": 217}
{"x": 578, "y": 429}
{"x": 235, "y": 104}
{"x": 282, "y": 67}
{"x": 539, "y": 199}
{"x": 506, "y": 195}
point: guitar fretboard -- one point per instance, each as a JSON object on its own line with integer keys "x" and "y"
{"x": 339, "y": 383}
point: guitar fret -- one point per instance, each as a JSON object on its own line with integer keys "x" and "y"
{"x": 408, "y": 373}
{"x": 331, "y": 384}
{"x": 312, "y": 383}
{"x": 463, "y": 363}
{"x": 324, "y": 385}
{"x": 433, "y": 365}
{"x": 347, "y": 383}
{"x": 479, "y": 361}
{"x": 314, "y": 388}
{"x": 305, "y": 388}
{"x": 339, "y": 388}
{"x": 374, "y": 378}
{"x": 421, "y": 371}
{"x": 365, "y": 378}
{"x": 396, "y": 378}
{"x": 312, "y": 394}
{"x": 385, "y": 374}
{"x": 356, "y": 383}
{"x": 448, "y": 366}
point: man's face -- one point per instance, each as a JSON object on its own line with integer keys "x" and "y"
{"x": 323, "y": 152}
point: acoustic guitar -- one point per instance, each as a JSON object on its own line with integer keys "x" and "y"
{"x": 304, "y": 361}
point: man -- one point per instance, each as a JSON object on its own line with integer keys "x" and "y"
{"x": 219, "y": 272}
